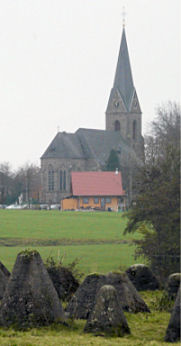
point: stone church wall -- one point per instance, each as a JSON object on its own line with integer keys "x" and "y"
{"x": 58, "y": 165}
{"x": 67, "y": 165}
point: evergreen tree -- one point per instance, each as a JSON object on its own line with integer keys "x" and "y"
{"x": 112, "y": 162}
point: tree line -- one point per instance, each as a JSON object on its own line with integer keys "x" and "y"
{"x": 22, "y": 185}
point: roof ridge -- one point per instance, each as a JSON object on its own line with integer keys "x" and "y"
{"x": 86, "y": 129}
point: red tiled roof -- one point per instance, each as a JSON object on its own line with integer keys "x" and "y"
{"x": 97, "y": 184}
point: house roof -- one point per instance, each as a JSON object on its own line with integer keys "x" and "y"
{"x": 97, "y": 184}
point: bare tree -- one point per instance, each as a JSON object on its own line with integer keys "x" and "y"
{"x": 27, "y": 179}
{"x": 6, "y": 182}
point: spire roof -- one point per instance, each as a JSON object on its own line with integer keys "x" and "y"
{"x": 123, "y": 80}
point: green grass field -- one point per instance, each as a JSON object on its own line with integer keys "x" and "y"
{"x": 92, "y": 258}
{"x": 95, "y": 238}
{"x": 54, "y": 225}
{"x": 98, "y": 241}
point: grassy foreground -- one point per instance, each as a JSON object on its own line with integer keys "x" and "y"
{"x": 98, "y": 240}
{"x": 95, "y": 238}
{"x": 146, "y": 329}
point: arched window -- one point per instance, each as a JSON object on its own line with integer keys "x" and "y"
{"x": 134, "y": 129}
{"x": 117, "y": 126}
{"x": 50, "y": 178}
{"x": 62, "y": 180}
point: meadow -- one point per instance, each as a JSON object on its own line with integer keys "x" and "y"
{"x": 98, "y": 241}
{"x": 95, "y": 238}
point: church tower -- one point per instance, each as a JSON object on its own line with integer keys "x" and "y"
{"x": 123, "y": 112}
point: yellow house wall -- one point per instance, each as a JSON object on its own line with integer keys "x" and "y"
{"x": 78, "y": 203}
{"x": 91, "y": 203}
{"x": 69, "y": 203}
{"x": 113, "y": 204}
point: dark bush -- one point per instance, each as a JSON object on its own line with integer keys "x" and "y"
{"x": 63, "y": 277}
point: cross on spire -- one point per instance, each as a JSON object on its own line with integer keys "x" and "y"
{"x": 124, "y": 16}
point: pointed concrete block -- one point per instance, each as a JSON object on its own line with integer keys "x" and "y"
{"x": 30, "y": 298}
{"x": 82, "y": 303}
{"x": 107, "y": 317}
{"x": 4, "y": 278}
{"x": 142, "y": 277}
{"x": 129, "y": 297}
{"x": 173, "y": 330}
{"x": 83, "y": 300}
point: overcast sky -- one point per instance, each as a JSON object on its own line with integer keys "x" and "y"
{"x": 58, "y": 60}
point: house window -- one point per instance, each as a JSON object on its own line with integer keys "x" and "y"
{"x": 62, "y": 180}
{"x": 134, "y": 129}
{"x": 108, "y": 200}
{"x": 96, "y": 200}
{"x": 117, "y": 126}
{"x": 50, "y": 178}
{"x": 85, "y": 200}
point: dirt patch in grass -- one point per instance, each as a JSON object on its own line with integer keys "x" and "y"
{"x": 56, "y": 242}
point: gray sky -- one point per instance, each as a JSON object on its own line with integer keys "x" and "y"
{"x": 57, "y": 65}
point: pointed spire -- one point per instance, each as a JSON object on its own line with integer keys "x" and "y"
{"x": 123, "y": 80}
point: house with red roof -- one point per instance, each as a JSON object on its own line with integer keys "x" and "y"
{"x": 95, "y": 190}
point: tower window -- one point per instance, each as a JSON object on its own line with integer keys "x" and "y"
{"x": 50, "y": 178}
{"x": 134, "y": 129}
{"x": 117, "y": 126}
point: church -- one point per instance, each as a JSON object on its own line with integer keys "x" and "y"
{"x": 89, "y": 149}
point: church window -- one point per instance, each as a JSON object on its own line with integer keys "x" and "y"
{"x": 117, "y": 126}
{"x": 62, "y": 180}
{"x": 50, "y": 179}
{"x": 134, "y": 129}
